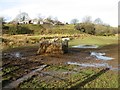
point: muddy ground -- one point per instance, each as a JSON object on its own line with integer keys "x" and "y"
{"x": 74, "y": 55}
{"x": 22, "y": 61}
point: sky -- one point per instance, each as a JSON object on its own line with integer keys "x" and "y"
{"x": 64, "y": 10}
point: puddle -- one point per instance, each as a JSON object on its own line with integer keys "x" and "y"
{"x": 115, "y": 69}
{"x": 100, "y": 56}
{"x": 85, "y": 46}
{"x": 94, "y": 65}
{"x": 0, "y": 68}
{"x": 90, "y": 65}
{"x": 16, "y": 54}
{"x": 13, "y": 55}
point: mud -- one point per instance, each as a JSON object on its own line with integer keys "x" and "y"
{"x": 26, "y": 60}
{"x": 74, "y": 55}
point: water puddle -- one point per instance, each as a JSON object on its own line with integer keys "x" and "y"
{"x": 101, "y": 56}
{"x": 90, "y": 65}
{"x": 17, "y": 54}
{"x": 14, "y": 55}
{"x": 106, "y": 65}
{"x": 0, "y": 68}
{"x": 115, "y": 69}
{"x": 85, "y": 46}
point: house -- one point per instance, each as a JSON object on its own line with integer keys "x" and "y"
{"x": 23, "y": 18}
{"x": 23, "y": 22}
{"x": 36, "y": 21}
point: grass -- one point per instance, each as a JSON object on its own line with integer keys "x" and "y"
{"x": 7, "y": 70}
{"x": 106, "y": 80}
{"x": 55, "y": 79}
{"x": 95, "y": 40}
{"x": 84, "y": 78}
{"x": 21, "y": 41}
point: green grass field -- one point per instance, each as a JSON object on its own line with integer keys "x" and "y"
{"x": 95, "y": 40}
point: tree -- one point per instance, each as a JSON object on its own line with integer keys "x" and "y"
{"x": 40, "y": 17}
{"x": 2, "y": 20}
{"x": 56, "y": 19}
{"x": 22, "y": 17}
{"x": 49, "y": 18}
{"x": 86, "y": 28}
{"x": 87, "y": 19}
{"x": 74, "y": 21}
{"x": 98, "y": 21}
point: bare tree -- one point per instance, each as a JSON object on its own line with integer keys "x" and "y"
{"x": 87, "y": 19}
{"x": 49, "y": 18}
{"x": 55, "y": 19}
{"x": 98, "y": 21}
{"x": 22, "y": 17}
{"x": 74, "y": 21}
{"x": 40, "y": 17}
{"x": 2, "y": 20}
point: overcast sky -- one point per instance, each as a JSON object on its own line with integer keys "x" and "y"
{"x": 64, "y": 10}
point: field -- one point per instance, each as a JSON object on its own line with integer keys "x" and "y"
{"x": 19, "y": 62}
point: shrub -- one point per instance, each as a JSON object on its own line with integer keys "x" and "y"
{"x": 18, "y": 29}
{"x": 96, "y": 29}
{"x": 12, "y": 30}
{"x": 23, "y": 30}
{"x": 105, "y": 30}
{"x": 86, "y": 27}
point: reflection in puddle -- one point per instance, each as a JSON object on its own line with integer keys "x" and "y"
{"x": 85, "y": 46}
{"x": 17, "y": 54}
{"x": 0, "y": 68}
{"x": 106, "y": 65}
{"x": 115, "y": 69}
{"x": 90, "y": 65}
{"x": 101, "y": 56}
{"x": 14, "y": 55}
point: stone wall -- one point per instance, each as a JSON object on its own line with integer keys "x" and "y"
{"x": 56, "y": 46}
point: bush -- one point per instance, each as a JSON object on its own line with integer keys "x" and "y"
{"x": 105, "y": 30}
{"x": 18, "y": 29}
{"x": 96, "y": 29}
{"x": 5, "y": 27}
{"x": 23, "y": 30}
{"x": 12, "y": 30}
{"x": 86, "y": 27}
